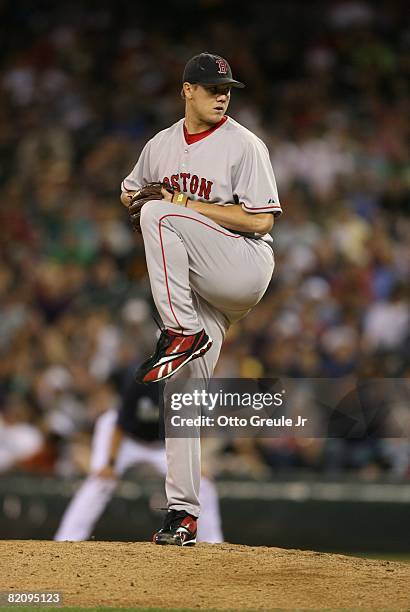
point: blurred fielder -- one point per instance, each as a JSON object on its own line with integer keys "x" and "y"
{"x": 123, "y": 439}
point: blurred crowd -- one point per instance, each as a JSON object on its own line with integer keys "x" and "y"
{"x": 82, "y": 87}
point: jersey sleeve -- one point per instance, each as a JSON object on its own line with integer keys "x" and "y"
{"x": 140, "y": 174}
{"x": 254, "y": 184}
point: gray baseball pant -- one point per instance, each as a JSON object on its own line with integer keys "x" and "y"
{"x": 202, "y": 276}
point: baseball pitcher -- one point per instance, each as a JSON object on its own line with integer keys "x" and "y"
{"x": 204, "y": 197}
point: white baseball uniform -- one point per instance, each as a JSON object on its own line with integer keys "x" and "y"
{"x": 203, "y": 275}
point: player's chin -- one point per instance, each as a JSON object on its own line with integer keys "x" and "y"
{"x": 216, "y": 115}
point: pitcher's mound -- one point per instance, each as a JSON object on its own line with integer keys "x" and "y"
{"x": 117, "y": 574}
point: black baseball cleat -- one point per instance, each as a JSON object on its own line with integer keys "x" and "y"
{"x": 172, "y": 353}
{"x": 179, "y": 529}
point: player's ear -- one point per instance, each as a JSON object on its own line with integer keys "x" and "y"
{"x": 187, "y": 90}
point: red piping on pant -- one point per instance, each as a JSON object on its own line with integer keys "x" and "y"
{"x": 163, "y": 253}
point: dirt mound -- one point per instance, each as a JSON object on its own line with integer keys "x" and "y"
{"x": 206, "y": 576}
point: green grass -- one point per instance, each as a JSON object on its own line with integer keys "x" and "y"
{"x": 402, "y": 557}
{"x": 78, "y": 609}
{"x": 102, "y": 609}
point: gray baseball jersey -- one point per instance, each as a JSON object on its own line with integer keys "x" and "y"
{"x": 230, "y": 166}
{"x": 203, "y": 276}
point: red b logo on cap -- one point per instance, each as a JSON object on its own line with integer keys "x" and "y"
{"x": 223, "y": 66}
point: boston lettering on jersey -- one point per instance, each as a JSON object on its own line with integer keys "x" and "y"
{"x": 186, "y": 182}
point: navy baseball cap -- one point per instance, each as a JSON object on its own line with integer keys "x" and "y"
{"x": 209, "y": 69}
